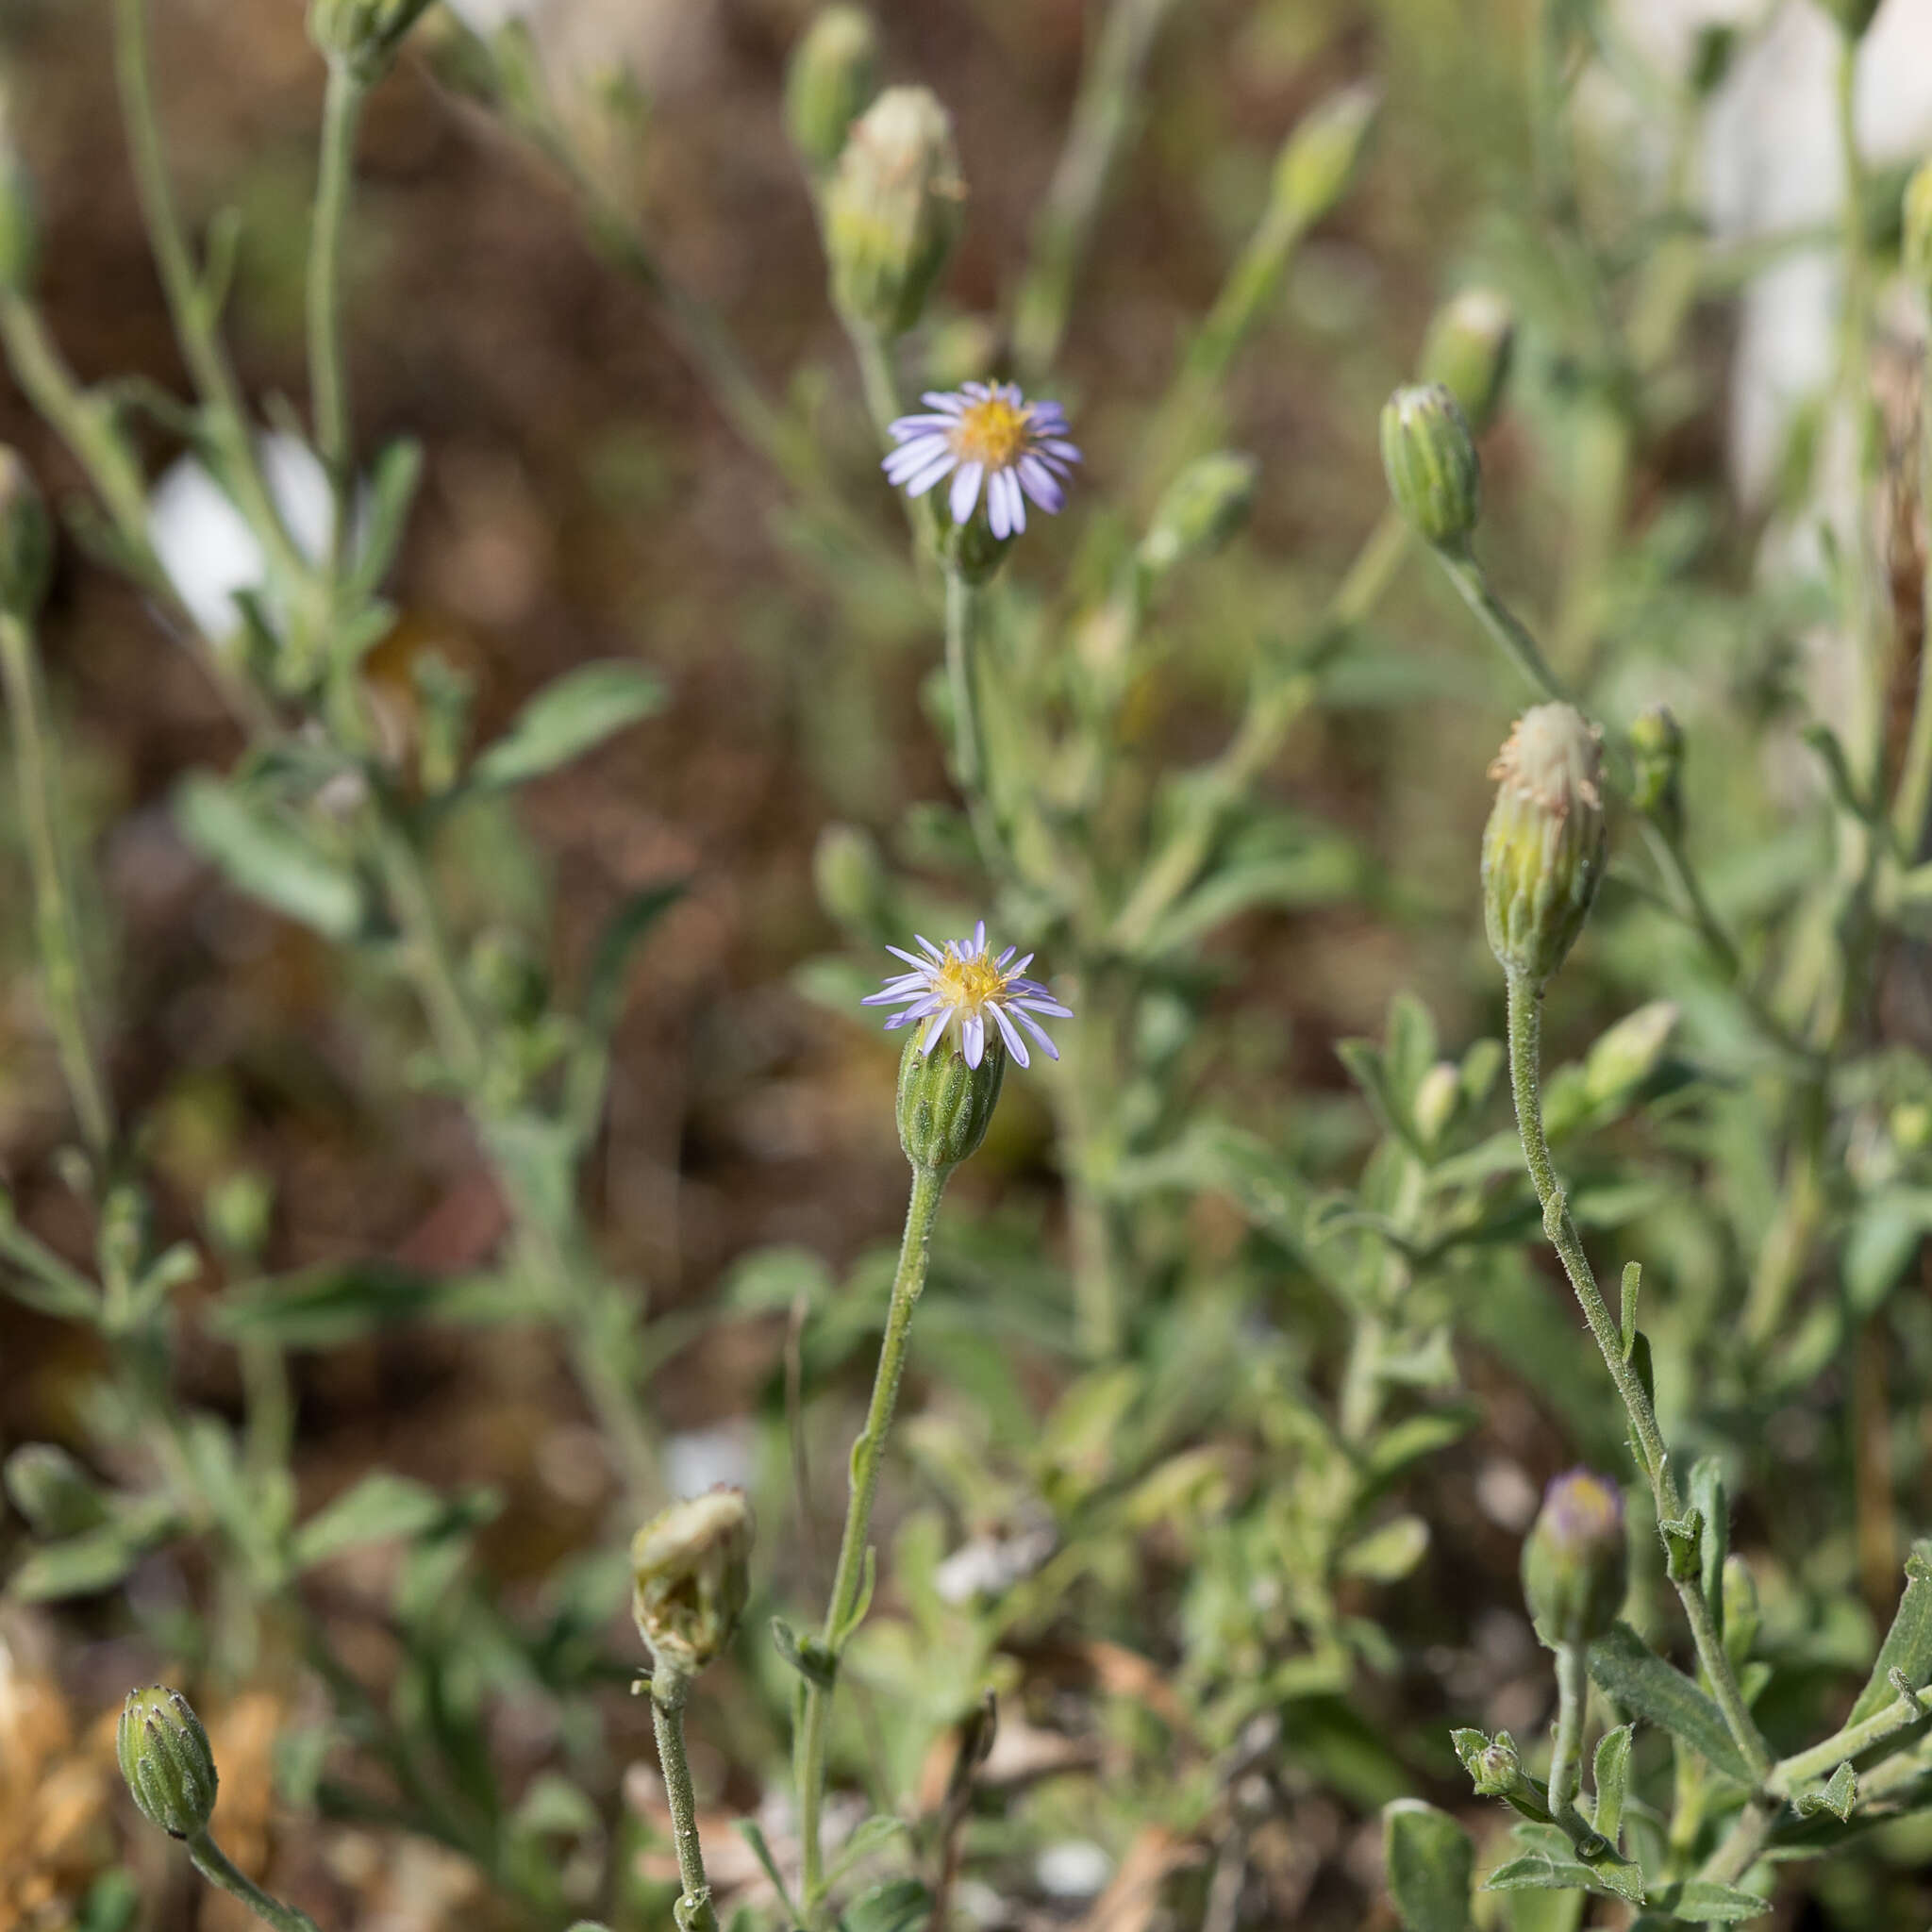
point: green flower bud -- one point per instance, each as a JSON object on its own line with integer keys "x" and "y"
{"x": 1625, "y": 1057}
{"x": 1853, "y": 16}
{"x": 690, "y": 1566}
{"x": 52, "y": 1492}
{"x": 834, "y": 74}
{"x": 1575, "y": 1560}
{"x": 1467, "y": 350}
{"x": 1741, "y": 1610}
{"x": 1545, "y": 845}
{"x": 971, "y": 548}
{"x": 165, "y": 1759}
{"x": 365, "y": 34}
{"x": 944, "y": 1105}
{"x": 894, "y": 208}
{"x": 1657, "y": 762}
{"x": 1493, "y": 1764}
{"x": 20, "y": 226}
{"x": 1430, "y": 460}
{"x": 1318, "y": 160}
{"x": 1917, "y": 225}
{"x": 1203, "y": 506}
{"x": 853, "y": 885}
{"x": 27, "y": 541}
{"x": 1437, "y": 1099}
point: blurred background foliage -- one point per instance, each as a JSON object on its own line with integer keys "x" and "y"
{"x": 1231, "y": 1586}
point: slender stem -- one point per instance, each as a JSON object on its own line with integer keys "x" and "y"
{"x": 1525, "y": 1080}
{"x": 868, "y": 1452}
{"x": 1502, "y": 624}
{"x": 188, "y": 301}
{"x": 1743, "y": 1842}
{"x": 1103, "y": 118}
{"x": 57, "y": 928}
{"x": 1573, "y": 1700}
{"x": 222, "y": 1872}
{"x": 669, "y": 1687}
{"x": 876, "y": 376}
{"x": 328, "y": 381}
{"x": 1901, "y": 1714}
{"x": 962, "y": 680}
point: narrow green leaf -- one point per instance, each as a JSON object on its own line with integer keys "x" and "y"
{"x": 376, "y": 1509}
{"x": 1709, "y": 1502}
{"x": 1908, "y": 1644}
{"x": 1705, "y": 1902}
{"x": 897, "y": 1905}
{"x": 87, "y": 1564}
{"x": 1623, "y": 1667}
{"x": 1612, "y": 1778}
{"x": 753, "y": 1834}
{"x": 1626, "y": 1312}
{"x": 1428, "y": 1857}
{"x": 1388, "y": 1552}
{"x": 625, "y": 930}
{"x": 875, "y": 1832}
{"x": 568, "y": 718}
{"x": 1541, "y": 1870}
{"x": 262, "y": 854}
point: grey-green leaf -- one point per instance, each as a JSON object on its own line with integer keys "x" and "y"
{"x": 377, "y": 1508}
{"x": 1626, "y": 1667}
{"x": 1612, "y": 1779}
{"x": 568, "y": 718}
{"x": 262, "y": 853}
{"x": 1838, "y": 1796}
{"x": 1908, "y": 1644}
{"x": 1705, "y": 1902}
{"x": 1428, "y": 1857}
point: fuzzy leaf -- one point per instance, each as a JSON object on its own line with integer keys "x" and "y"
{"x": 1545, "y": 1870}
{"x": 1908, "y": 1644}
{"x": 1611, "y": 1778}
{"x": 1623, "y": 1667}
{"x": 897, "y": 1905}
{"x": 377, "y": 1508}
{"x": 1428, "y": 1857}
{"x": 568, "y": 718}
{"x": 1705, "y": 1902}
{"x": 1838, "y": 1796}
{"x": 262, "y": 854}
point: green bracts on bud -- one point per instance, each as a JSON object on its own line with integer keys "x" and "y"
{"x": 832, "y": 78}
{"x": 1575, "y": 1560}
{"x": 1917, "y": 227}
{"x": 363, "y": 34}
{"x": 691, "y": 1572}
{"x": 945, "y": 1106}
{"x": 1467, "y": 350}
{"x": 1318, "y": 161}
{"x": 1657, "y": 764}
{"x": 27, "y": 541}
{"x": 894, "y": 210}
{"x": 1203, "y": 506}
{"x": 1545, "y": 845}
{"x": 165, "y": 1758}
{"x": 1429, "y": 458}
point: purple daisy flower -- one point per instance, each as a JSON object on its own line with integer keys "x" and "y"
{"x": 986, "y": 434}
{"x": 962, "y": 987}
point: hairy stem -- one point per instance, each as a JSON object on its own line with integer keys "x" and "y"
{"x": 669, "y": 1686}
{"x": 1566, "y": 1754}
{"x": 329, "y": 382}
{"x": 223, "y": 1872}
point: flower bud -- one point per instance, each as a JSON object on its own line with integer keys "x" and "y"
{"x": 944, "y": 1105}
{"x": 52, "y": 1492}
{"x": 1575, "y": 1560}
{"x": 1918, "y": 227}
{"x": 1203, "y": 506}
{"x": 1467, "y": 350}
{"x": 971, "y": 549}
{"x": 1656, "y": 762}
{"x": 1545, "y": 845}
{"x": 1319, "y": 158}
{"x": 27, "y": 541}
{"x": 894, "y": 208}
{"x": 834, "y": 74}
{"x": 1495, "y": 1765}
{"x": 364, "y": 34}
{"x": 1430, "y": 460}
{"x": 165, "y": 1759}
{"x": 20, "y": 226}
{"x": 690, "y": 1566}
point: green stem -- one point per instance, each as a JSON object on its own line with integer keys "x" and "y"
{"x": 1820, "y": 1761}
{"x": 221, "y": 1871}
{"x": 868, "y": 1452}
{"x": 1502, "y": 624}
{"x": 1914, "y": 792}
{"x": 669, "y": 1686}
{"x": 57, "y": 928}
{"x": 1103, "y": 118}
{"x": 1572, "y": 1701}
{"x": 1743, "y": 1842}
{"x": 962, "y": 680}
{"x": 876, "y": 376}
{"x": 1525, "y": 1080}
{"x": 329, "y": 382}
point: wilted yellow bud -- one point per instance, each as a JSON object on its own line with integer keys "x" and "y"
{"x": 894, "y": 208}
{"x": 1545, "y": 845}
{"x": 690, "y": 1567}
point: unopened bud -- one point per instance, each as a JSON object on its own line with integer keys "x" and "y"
{"x": 1741, "y": 1610}
{"x": 1575, "y": 1560}
{"x": 1545, "y": 845}
{"x": 165, "y": 1758}
{"x": 1657, "y": 766}
{"x": 1203, "y": 506}
{"x": 1494, "y": 1764}
{"x": 1430, "y": 460}
{"x": 1438, "y": 1096}
{"x": 1471, "y": 341}
{"x": 1625, "y": 1057}
{"x": 27, "y": 541}
{"x": 894, "y": 210}
{"x": 691, "y": 1569}
{"x": 834, "y": 74}
{"x": 969, "y": 549}
{"x": 52, "y": 1492}
{"x": 944, "y": 1106}
{"x": 1318, "y": 160}
{"x": 363, "y": 34}
{"x": 1918, "y": 227}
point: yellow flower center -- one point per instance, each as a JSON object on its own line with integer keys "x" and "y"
{"x": 993, "y": 432}
{"x": 966, "y": 985}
